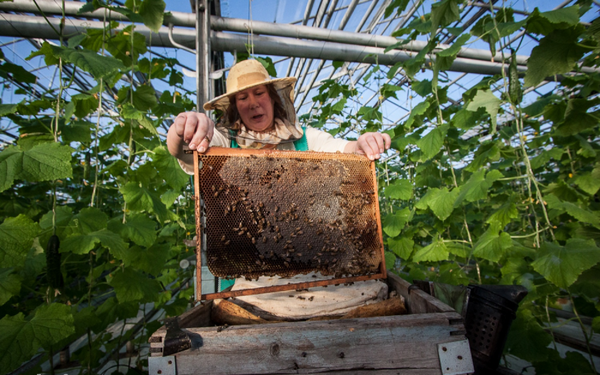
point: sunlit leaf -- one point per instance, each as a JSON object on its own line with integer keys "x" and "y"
{"x": 504, "y": 214}
{"x": 443, "y": 13}
{"x": 393, "y": 223}
{"x": 589, "y": 182}
{"x": 152, "y": 12}
{"x": 557, "y": 53}
{"x": 140, "y": 229}
{"x": 432, "y": 143}
{"x": 142, "y": 199}
{"x": 477, "y": 186}
{"x": 486, "y": 99}
{"x": 97, "y": 65}
{"x": 441, "y": 201}
{"x": 563, "y": 264}
{"x": 399, "y": 189}
{"x": 402, "y": 246}
{"x": 434, "y": 252}
{"x": 169, "y": 169}
{"x": 492, "y": 245}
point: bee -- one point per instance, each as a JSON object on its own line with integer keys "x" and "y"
{"x": 276, "y": 208}
{"x": 223, "y": 238}
{"x": 300, "y": 232}
{"x": 277, "y": 228}
{"x": 264, "y": 239}
{"x": 286, "y": 264}
{"x": 253, "y": 240}
{"x": 216, "y": 194}
{"x": 227, "y": 242}
{"x": 213, "y": 258}
{"x": 309, "y": 246}
{"x": 213, "y": 188}
{"x": 299, "y": 254}
{"x": 248, "y": 235}
{"x": 240, "y": 233}
{"x": 258, "y": 262}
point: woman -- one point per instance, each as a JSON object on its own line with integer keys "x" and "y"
{"x": 258, "y": 113}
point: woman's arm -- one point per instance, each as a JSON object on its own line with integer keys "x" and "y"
{"x": 190, "y": 130}
{"x": 370, "y": 144}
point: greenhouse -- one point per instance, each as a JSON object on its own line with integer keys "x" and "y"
{"x": 477, "y": 123}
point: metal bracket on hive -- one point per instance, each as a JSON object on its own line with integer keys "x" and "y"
{"x": 284, "y": 213}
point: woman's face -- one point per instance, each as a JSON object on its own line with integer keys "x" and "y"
{"x": 255, "y": 107}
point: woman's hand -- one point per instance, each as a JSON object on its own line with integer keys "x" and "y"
{"x": 195, "y": 129}
{"x": 370, "y": 144}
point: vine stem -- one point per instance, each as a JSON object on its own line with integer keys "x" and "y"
{"x": 583, "y": 330}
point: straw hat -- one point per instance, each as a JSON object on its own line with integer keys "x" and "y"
{"x": 244, "y": 75}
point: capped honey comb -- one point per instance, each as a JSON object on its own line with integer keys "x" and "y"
{"x": 286, "y": 213}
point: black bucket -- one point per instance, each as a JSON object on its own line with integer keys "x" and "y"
{"x": 490, "y": 310}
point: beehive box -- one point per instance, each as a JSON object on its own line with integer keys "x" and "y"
{"x": 429, "y": 340}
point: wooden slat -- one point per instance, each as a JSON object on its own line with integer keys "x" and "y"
{"x": 398, "y": 342}
{"x": 418, "y": 301}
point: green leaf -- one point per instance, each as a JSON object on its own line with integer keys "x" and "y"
{"x": 168, "y": 168}
{"x": 21, "y": 338}
{"x": 590, "y": 181}
{"x": 151, "y": 260}
{"x": 10, "y": 284}
{"x": 142, "y": 199}
{"x": 152, "y": 12}
{"x": 16, "y": 238}
{"x": 134, "y": 286}
{"x": 169, "y": 197}
{"x": 492, "y": 245}
{"x": 578, "y": 119}
{"x": 459, "y": 249}
{"x": 441, "y": 201}
{"x": 8, "y": 109}
{"x": 477, "y": 186}
{"x": 546, "y": 22}
{"x": 504, "y": 214}
{"x": 399, "y": 189}
{"x": 544, "y": 157}
{"x": 556, "y": 53}
{"x": 144, "y": 98}
{"x": 443, "y": 13}
{"x": 84, "y": 243}
{"x": 97, "y": 65}
{"x": 526, "y": 337}
{"x": 45, "y": 162}
{"x": 416, "y": 113}
{"x": 267, "y": 62}
{"x": 487, "y": 152}
{"x": 402, "y": 247}
{"x": 88, "y": 220}
{"x": 572, "y": 209}
{"x": 423, "y": 88}
{"x": 486, "y": 99}
{"x": 454, "y": 49}
{"x": 434, "y": 252}
{"x": 390, "y": 260}
{"x": 77, "y": 131}
{"x": 10, "y": 166}
{"x": 140, "y": 229}
{"x": 432, "y": 143}
{"x": 393, "y": 223}
{"x": 84, "y": 104}
{"x": 337, "y": 64}
{"x": 562, "y": 265}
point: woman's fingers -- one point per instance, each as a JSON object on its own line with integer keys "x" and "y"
{"x": 196, "y": 129}
{"x": 373, "y": 144}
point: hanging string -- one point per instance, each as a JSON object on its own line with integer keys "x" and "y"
{"x": 251, "y": 29}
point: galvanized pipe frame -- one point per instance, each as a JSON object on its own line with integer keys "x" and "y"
{"x": 259, "y": 27}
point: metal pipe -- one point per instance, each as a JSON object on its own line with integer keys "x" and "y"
{"x": 25, "y": 26}
{"x": 202, "y": 53}
{"x": 259, "y": 27}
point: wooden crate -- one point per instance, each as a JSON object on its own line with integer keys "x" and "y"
{"x": 403, "y": 344}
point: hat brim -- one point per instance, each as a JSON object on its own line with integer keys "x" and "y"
{"x": 222, "y": 102}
